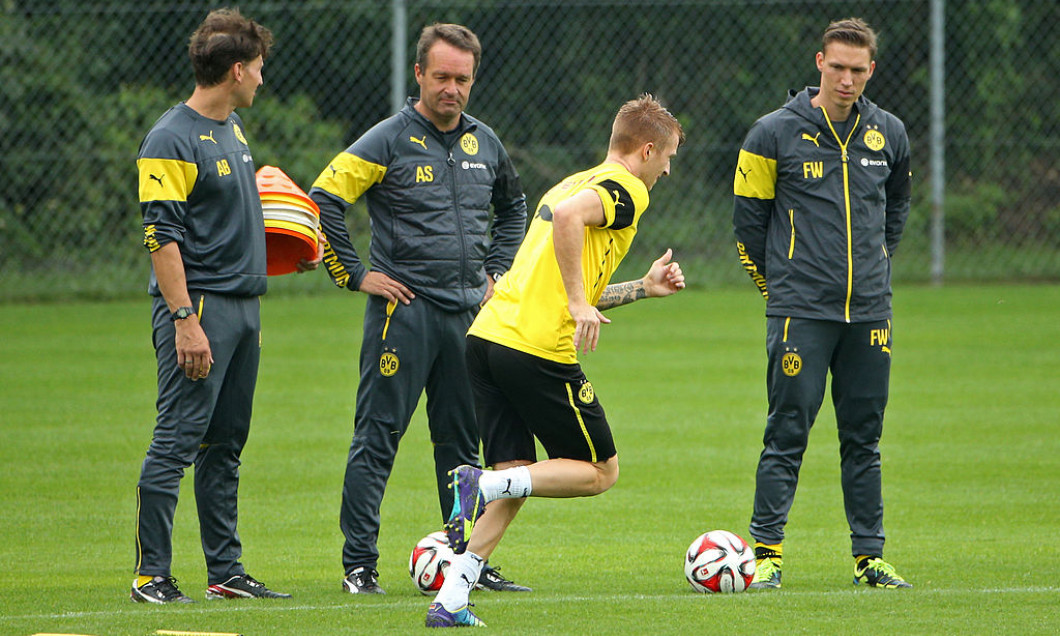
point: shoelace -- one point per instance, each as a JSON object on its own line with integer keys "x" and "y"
{"x": 766, "y": 568}
{"x": 251, "y": 581}
{"x": 168, "y": 588}
{"x": 882, "y": 567}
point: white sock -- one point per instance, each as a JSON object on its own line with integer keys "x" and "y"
{"x": 511, "y": 483}
{"x": 460, "y": 579}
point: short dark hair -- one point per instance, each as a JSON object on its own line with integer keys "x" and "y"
{"x": 852, "y": 31}
{"x": 455, "y": 34}
{"x": 644, "y": 120}
{"x": 224, "y": 38}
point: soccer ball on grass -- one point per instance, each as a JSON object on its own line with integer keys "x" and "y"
{"x": 429, "y": 562}
{"x": 719, "y": 561}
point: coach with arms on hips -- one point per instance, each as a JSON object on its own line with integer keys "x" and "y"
{"x": 430, "y": 174}
{"x": 821, "y": 198}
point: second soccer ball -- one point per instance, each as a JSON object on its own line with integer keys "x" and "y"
{"x": 429, "y": 562}
{"x": 719, "y": 561}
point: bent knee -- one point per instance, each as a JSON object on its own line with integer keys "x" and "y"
{"x": 608, "y": 474}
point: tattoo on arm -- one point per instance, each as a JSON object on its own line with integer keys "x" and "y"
{"x": 621, "y": 294}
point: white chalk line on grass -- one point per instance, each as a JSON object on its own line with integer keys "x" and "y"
{"x": 391, "y": 604}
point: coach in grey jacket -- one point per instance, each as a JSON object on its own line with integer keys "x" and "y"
{"x": 430, "y": 175}
{"x": 821, "y": 197}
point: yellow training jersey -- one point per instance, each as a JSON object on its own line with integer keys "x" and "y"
{"x": 528, "y": 311}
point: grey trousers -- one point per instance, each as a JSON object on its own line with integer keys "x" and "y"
{"x": 204, "y": 422}
{"x": 406, "y": 349}
{"x": 801, "y": 354}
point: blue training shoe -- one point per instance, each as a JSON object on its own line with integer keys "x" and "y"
{"x": 468, "y": 506}
{"x": 438, "y": 616}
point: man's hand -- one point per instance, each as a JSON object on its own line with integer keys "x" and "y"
{"x": 306, "y": 265}
{"x": 587, "y": 320}
{"x": 489, "y": 290}
{"x": 379, "y": 284}
{"x": 664, "y": 278}
{"x": 193, "y": 348}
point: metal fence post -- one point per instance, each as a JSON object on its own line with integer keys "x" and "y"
{"x": 938, "y": 140}
{"x": 399, "y": 46}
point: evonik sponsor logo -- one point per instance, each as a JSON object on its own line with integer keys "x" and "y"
{"x": 866, "y": 162}
{"x": 471, "y": 165}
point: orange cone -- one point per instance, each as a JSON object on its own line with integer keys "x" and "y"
{"x": 291, "y": 221}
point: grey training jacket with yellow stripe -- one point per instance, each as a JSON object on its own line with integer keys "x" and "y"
{"x": 197, "y": 189}
{"x": 429, "y": 197}
{"x": 818, "y": 216}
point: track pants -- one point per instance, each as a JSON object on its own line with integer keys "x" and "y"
{"x": 405, "y": 350}
{"x": 204, "y": 422}
{"x": 801, "y": 353}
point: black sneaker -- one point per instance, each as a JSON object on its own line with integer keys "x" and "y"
{"x": 242, "y": 586}
{"x": 161, "y": 589}
{"x": 491, "y": 579}
{"x": 363, "y": 580}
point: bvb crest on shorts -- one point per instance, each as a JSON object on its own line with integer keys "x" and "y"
{"x": 586, "y": 393}
{"x": 388, "y": 363}
{"x": 791, "y": 364}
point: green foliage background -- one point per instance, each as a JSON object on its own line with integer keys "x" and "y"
{"x": 81, "y": 81}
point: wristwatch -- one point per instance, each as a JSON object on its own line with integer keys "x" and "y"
{"x": 181, "y": 313}
{"x": 496, "y": 276}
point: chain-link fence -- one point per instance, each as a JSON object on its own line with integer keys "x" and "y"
{"x": 81, "y": 81}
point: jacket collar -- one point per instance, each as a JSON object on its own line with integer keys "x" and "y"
{"x": 799, "y": 102}
{"x": 466, "y": 124}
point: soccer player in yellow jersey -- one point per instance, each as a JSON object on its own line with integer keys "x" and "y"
{"x": 522, "y": 349}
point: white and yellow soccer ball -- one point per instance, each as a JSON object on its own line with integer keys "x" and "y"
{"x": 429, "y": 562}
{"x": 719, "y": 561}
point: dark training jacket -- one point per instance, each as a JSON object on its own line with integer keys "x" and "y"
{"x": 429, "y": 196}
{"x": 197, "y": 189}
{"x": 817, "y": 217}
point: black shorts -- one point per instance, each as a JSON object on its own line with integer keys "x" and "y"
{"x": 519, "y": 396}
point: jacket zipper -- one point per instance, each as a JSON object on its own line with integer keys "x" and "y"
{"x": 791, "y": 247}
{"x": 456, "y": 211}
{"x": 846, "y": 204}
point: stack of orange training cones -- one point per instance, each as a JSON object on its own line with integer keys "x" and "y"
{"x": 291, "y": 221}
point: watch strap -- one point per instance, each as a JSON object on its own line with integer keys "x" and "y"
{"x": 181, "y": 313}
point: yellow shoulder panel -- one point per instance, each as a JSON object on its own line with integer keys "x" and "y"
{"x": 756, "y": 176}
{"x": 348, "y": 176}
{"x": 166, "y": 179}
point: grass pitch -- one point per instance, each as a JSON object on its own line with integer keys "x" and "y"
{"x": 971, "y": 464}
